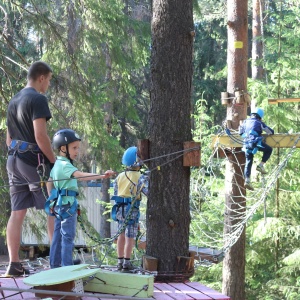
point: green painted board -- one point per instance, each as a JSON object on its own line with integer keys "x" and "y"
{"x": 118, "y": 283}
{"x": 60, "y": 275}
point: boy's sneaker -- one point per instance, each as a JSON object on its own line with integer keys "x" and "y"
{"x": 248, "y": 185}
{"x": 16, "y": 269}
{"x": 120, "y": 266}
{"x": 261, "y": 169}
{"x": 127, "y": 267}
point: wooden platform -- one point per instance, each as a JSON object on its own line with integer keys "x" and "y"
{"x": 278, "y": 140}
{"x": 15, "y": 289}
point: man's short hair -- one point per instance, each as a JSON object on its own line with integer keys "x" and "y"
{"x": 37, "y": 69}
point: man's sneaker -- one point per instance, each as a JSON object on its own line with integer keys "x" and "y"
{"x": 261, "y": 169}
{"x": 128, "y": 266}
{"x": 120, "y": 266}
{"x": 16, "y": 269}
{"x": 248, "y": 185}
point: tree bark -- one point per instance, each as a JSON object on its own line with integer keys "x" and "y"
{"x": 105, "y": 225}
{"x": 168, "y": 216}
{"x": 234, "y": 261}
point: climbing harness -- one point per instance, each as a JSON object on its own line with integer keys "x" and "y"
{"x": 54, "y": 206}
{"x": 251, "y": 142}
{"x": 22, "y": 147}
{"x": 121, "y": 203}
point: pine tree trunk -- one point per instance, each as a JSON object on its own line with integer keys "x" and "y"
{"x": 237, "y": 57}
{"x": 257, "y": 43}
{"x": 105, "y": 225}
{"x": 168, "y": 216}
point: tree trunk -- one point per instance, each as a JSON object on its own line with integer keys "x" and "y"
{"x": 257, "y": 43}
{"x": 234, "y": 261}
{"x": 168, "y": 216}
{"x": 104, "y": 224}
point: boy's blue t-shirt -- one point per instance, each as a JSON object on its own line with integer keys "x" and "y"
{"x": 63, "y": 169}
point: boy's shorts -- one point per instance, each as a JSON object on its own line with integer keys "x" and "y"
{"x": 132, "y": 229}
{"x": 25, "y": 188}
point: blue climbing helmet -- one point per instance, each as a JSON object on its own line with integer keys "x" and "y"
{"x": 259, "y": 112}
{"x": 130, "y": 157}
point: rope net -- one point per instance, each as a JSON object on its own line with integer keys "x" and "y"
{"x": 212, "y": 203}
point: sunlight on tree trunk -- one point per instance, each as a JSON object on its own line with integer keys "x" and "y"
{"x": 237, "y": 56}
{"x": 257, "y": 43}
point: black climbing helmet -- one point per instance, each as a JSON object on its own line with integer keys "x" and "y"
{"x": 64, "y": 137}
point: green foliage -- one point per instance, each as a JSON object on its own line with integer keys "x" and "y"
{"x": 99, "y": 55}
{"x": 272, "y": 264}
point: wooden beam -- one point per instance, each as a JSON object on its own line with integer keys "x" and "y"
{"x": 278, "y": 140}
{"x": 193, "y": 157}
{"x": 276, "y": 101}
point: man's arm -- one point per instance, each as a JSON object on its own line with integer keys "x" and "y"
{"x": 49, "y": 185}
{"x": 42, "y": 138}
{"x": 8, "y": 138}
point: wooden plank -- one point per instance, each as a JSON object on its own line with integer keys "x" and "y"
{"x": 208, "y": 291}
{"x": 280, "y": 100}
{"x": 193, "y": 157}
{"x": 10, "y": 282}
{"x": 21, "y": 285}
{"x": 161, "y": 291}
{"x": 119, "y": 283}
{"x": 190, "y": 291}
{"x": 277, "y": 140}
{"x": 160, "y": 295}
{"x": 170, "y": 292}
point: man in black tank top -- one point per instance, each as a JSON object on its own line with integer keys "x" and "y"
{"x": 28, "y": 147}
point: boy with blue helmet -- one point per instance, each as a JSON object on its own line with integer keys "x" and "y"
{"x": 251, "y": 130}
{"x": 128, "y": 187}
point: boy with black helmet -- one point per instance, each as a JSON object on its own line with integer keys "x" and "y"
{"x": 63, "y": 189}
{"x": 128, "y": 187}
{"x": 251, "y": 130}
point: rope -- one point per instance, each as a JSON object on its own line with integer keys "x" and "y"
{"x": 108, "y": 241}
{"x": 43, "y": 179}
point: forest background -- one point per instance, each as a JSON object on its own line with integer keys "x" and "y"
{"x": 100, "y": 56}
